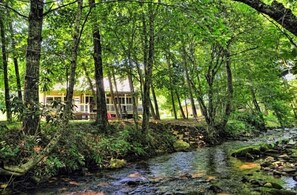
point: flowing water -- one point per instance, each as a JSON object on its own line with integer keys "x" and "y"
{"x": 209, "y": 170}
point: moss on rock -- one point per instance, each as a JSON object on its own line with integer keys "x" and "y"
{"x": 181, "y": 145}
{"x": 117, "y": 163}
{"x": 249, "y": 152}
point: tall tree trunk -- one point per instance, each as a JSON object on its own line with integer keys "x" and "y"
{"x": 152, "y": 110}
{"x": 31, "y": 88}
{"x": 148, "y": 67}
{"x": 91, "y": 85}
{"x": 140, "y": 74}
{"x": 73, "y": 64}
{"x": 189, "y": 84}
{"x": 89, "y": 80}
{"x": 171, "y": 84}
{"x": 187, "y": 111}
{"x": 118, "y": 102}
{"x": 180, "y": 106}
{"x": 211, "y": 111}
{"x": 15, "y": 61}
{"x": 134, "y": 102}
{"x": 101, "y": 118}
{"x": 130, "y": 74}
{"x": 190, "y": 92}
{"x": 155, "y": 103}
{"x": 5, "y": 69}
{"x": 173, "y": 104}
{"x": 199, "y": 96}
{"x": 112, "y": 95}
{"x": 277, "y": 11}
{"x": 228, "y": 107}
{"x": 261, "y": 125}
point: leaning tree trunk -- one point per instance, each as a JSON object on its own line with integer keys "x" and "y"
{"x": 101, "y": 115}
{"x": 73, "y": 65}
{"x": 157, "y": 116}
{"x": 31, "y": 90}
{"x": 5, "y": 69}
{"x": 277, "y": 11}
{"x": 22, "y": 169}
{"x": 152, "y": 110}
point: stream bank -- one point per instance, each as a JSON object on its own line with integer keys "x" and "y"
{"x": 205, "y": 170}
{"x": 83, "y": 149}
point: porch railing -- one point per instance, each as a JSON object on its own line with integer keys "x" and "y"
{"x": 86, "y": 108}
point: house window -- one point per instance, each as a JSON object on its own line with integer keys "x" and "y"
{"x": 89, "y": 100}
{"x": 129, "y": 100}
{"x": 59, "y": 99}
{"x": 119, "y": 100}
{"x": 49, "y": 100}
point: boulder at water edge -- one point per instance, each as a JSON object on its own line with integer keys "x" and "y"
{"x": 181, "y": 145}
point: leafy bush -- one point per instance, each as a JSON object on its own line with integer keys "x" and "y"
{"x": 67, "y": 157}
{"x": 244, "y": 123}
{"x": 236, "y": 127}
{"x": 122, "y": 143}
{"x": 251, "y": 119}
{"x": 8, "y": 151}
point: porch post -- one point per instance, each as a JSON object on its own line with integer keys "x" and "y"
{"x": 125, "y": 99}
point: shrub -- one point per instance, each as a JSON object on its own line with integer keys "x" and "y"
{"x": 124, "y": 142}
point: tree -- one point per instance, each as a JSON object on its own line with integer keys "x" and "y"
{"x": 277, "y": 11}
{"x": 101, "y": 116}
{"x": 5, "y": 68}
{"x": 149, "y": 47}
{"x": 15, "y": 62}
{"x": 74, "y": 53}
{"x": 31, "y": 89}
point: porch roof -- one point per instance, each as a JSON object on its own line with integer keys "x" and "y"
{"x": 82, "y": 85}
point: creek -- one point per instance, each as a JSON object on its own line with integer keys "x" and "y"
{"x": 208, "y": 170}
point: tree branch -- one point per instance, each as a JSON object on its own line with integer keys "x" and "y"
{"x": 282, "y": 31}
{"x": 277, "y": 12}
{"x": 15, "y": 11}
{"x": 57, "y": 8}
{"x": 246, "y": 50}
